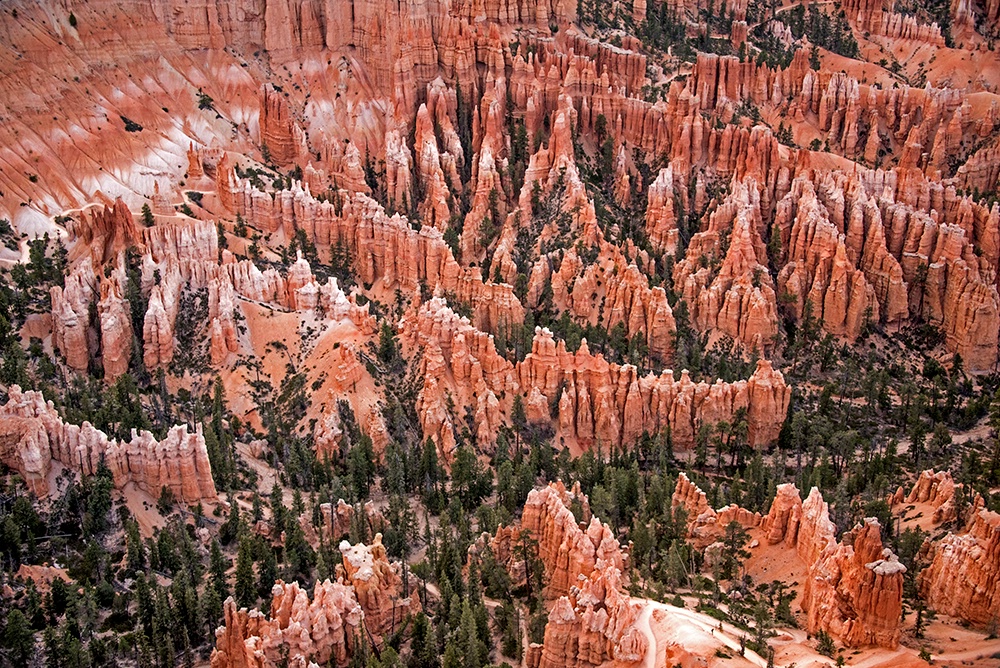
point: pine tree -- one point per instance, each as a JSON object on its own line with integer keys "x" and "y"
{"x": 219, "y": 440}
{"x": 361, "y": 467}
{"x": 258, "y": 508}
{"x": 230, "y": 529}
{"x": 185, "y": 602}
{"x": 676, "y": 566}
{"x": 143, "y": 651}
{"x": 278, "y": 510}
{"x": 452, "y": 655}
{"x": 218, "y": 567}
{"x": 147, "y": 216}
{"x": 423, "y": 648}
{"x": 814, "y": 61}
{"x": 188, "y": 653}
{"x": 210, "y": 611}
{"x": 322, "y": 571}
{"x": 298, "y": 554}
{"x": 994, "y": 422}
{"x": 18, "y": 638}
{"x": 163, "y": 623}
{"x": 429, "y": 474}
{"x": 136, "y": 555}
{"x": 144, "y": 599}
{"x": 246, "y": 593}
{"x": 298, "y": 505}
{"x": 734, "y": 551}
{"x": 473, "y": 649}
{"x": 267, "y": 571}
{"x": 53, "y": 648}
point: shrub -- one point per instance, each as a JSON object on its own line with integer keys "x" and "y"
{"x": 205, "y": 101}
{"x": 130, "y": 125}
{"x": 824, "y": 644}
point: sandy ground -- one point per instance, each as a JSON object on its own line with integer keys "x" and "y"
{"x": 43, "y": 576}
{"x": 143, "y": 508}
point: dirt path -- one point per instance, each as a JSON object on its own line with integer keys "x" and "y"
{"x": 985, "y": 651}
{"x": 643, "y": 625}
{"x": 728, "y": 637}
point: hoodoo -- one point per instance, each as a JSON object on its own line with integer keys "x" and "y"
{"x": 467, "y": 333}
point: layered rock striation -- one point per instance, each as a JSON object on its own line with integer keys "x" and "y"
{"x": 33, "y": 436}
{"x": 704, "y": 524}
{"x": 964, "y": 572}
{"x": 590, "y": 402}
{"x": 593, "y": 619}
{"x": 854, "y": 590}
{"x": 367, "y": 599}
{"x": 378, "y": 586}
{"x": 948, "y": 500}
{"x": 174, "y": 259}
{"x": 385, "y": 250}
{"x": 326, "y": 627}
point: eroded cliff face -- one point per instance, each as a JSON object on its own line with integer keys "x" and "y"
{"x": 378, "y": 586}
{"x": 854, "y": 590}
{"x": 589, "y": 401}
{"x": 947, "y": 499}
{"x": 729, "y": 289}
{"x": 34, "y": 435}
{"x": 384, "y": 249}
{"x": 706, "y": 525}
{"x": 326, "y": 626}
{"x": 593, "y": 619}
{"x": 855, "y": 247}
{"x": 429, "y": 100}
{"x": 445, "y": 150}
{"x": 367, "y": 597}
{"x": 173, "y": 259}
{"x": 962, "y": 578}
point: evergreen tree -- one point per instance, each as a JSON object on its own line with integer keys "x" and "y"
{"x": 361, "y": 467}
{"x": 136, "y": 555}
{"x": 246, "y": 593}
{"x": 210, "y": 611}
{"x": 18, "y": 638}
{"x": 676, "y": 565}
{"x": 53, "y": 648}
{"x": 218, "y": 567}
{"x": 734, "y": 551}
{"x": 423, "y": 647}
{"x": 258, "y": 508}
{"x": 230, "y": 529}
{"x": 267, "y": 570}
{"x": 430, "y": 476}
{"x": 278, "y": 510}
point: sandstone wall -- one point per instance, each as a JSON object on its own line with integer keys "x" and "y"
{"x": 33, "y": 435}
{"x": 590, "y": 401}
{"x": 592, "y": 621}
{"x": 366, "y": 598}
{"x": 854, "y": 590}
{"x": 962, "y": 578}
